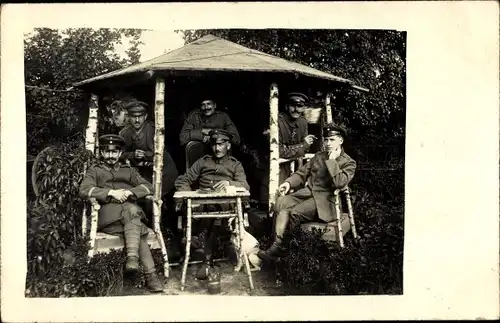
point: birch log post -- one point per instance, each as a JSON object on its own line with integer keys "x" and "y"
{"x": 91, "y": 133}
{"x": 159, "y": 145}
{"x": 328, "y": 108}
{"x": 90, "y": 144}
{"x": 274, "y": 167}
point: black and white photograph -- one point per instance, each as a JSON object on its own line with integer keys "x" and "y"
{"x": 226, "y": 161}
{"x": 186, "y": 162}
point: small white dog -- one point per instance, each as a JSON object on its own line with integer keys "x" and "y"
{"x": 250, "y": 248}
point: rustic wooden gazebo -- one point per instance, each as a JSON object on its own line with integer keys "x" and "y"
{"x": 215, "y": 56}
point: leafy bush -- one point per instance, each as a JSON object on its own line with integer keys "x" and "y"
{"x": 372, "y": 264}
{"x": 58, "y": 265}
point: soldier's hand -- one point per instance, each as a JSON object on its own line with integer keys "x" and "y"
{"x": 221, "y": 185}
{"x": 206, "y": 138}
{"x": 119, "y": 195}
{"x": 128, "y": 193}
{"x": 334, "y": 153}
{"x": 309, "y": 139}
{"x": 284, "y": 188}
{"x": 139, "y": 154}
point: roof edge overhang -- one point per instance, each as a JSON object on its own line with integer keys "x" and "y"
{"x": 148, "y": 73}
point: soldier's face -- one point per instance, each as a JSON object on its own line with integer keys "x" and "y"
{"x": 111, "y": 155}
{"x": 220, "y": 148}
{"x": 207, "y": 107}
{"x": 333, "y": 142}
{"x": 296, "y": 107}
{"x": 137, "y": 120}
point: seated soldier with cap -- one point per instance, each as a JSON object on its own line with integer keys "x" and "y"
{"x": 117, "y": 187}
{"x": 201, "y": 121}
{"x": 139, "y": 150}
{"x": 216, "y": 171}
{"x": 315, "y": 182}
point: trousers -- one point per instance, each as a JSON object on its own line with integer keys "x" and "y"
{"x": 134, "y": 232}
{"x": 300, "y": 206}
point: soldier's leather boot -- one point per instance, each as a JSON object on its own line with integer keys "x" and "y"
{"x": 132, "y": 265}
{"x": 272, "y": 252}
{"x": 153, "y": 283}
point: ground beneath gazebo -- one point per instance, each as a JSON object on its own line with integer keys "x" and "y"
{"x": 232, "y": 283}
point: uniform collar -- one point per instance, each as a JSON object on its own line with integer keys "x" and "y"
{"x": 220, "y": 161}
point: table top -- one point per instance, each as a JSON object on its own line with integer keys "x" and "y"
{"x": 198, "y": 194}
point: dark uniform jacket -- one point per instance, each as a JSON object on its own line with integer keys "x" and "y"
{"x": 323, "y": 176}
{"x": 291, "y": 136}
{"x": 196, "y": 121}
{"x": 144, "y": 140}
{"x": 207, "y": 171}
{"x": 291, "y": 145}
{"x": 101, "y": 178}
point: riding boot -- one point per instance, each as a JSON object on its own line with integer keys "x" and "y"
{"x": 209, "y": 237}
{"x": 153, "y": 283}
{"x": 133, "y": 229}
{"x": 272, "y": 252}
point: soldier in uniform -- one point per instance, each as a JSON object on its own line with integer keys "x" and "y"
{"x": 294, "y": 139}
{"x": 313, "y": 201}
{"x": 201, "y": 121}
{"x": 139, "y": 150}
{"x": 215, "y": 171}
{"x": 117, "y": 187}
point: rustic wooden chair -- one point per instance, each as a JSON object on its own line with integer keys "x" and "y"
{"x": 344, "y": 222}
{"x": 337, "y": 229}
{"x": 101, "y": 242}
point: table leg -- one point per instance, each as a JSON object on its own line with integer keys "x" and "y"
{"x": 188, "y": 244}
{"x": 241, "y": 233}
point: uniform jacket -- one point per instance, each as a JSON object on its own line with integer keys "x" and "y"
{"x": 207, "y": 171}
{"x": 144, "y": 140}
{"x": 291, "y": 135}
{"x": 100, "y": 179}
{"x": 323, "y": 176}
{"x": 196, "y": 121}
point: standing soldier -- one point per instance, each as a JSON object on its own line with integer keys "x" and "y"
{"x": 294, "y": 140}
{"x": 215, "y": 171}
{"x": 201, "y": 121}
{"x": 116, "y": 187}
{"x": 139, "y": 150}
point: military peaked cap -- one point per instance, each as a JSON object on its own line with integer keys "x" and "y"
{"x": 220, "y": 135}
{"x": 297, "y": 97}
{"x": 136, "y": 107}
{"x": 333, "y": 129}
{"x": 111, "y": 141}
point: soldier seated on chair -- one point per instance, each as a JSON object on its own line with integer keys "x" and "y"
{"x": 316, "y": 181}
{"x": 215, "y": 171}
{"x": 139, "y": 151}
{"x": 117, "y": 187}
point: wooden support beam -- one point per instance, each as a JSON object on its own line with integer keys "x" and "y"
{"x": 328, "y": 108}
{"x": 159, "y": 146}
{"x": 92, "y": 144}
{"x": 91, "y": 141}
{"x": 274, "y": 168}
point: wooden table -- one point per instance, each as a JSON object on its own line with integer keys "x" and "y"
{"x": 230, "y": 196}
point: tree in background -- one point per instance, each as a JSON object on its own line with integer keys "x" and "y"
{"x": 374, "y": 59}
{"x": 53, "y": 61}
